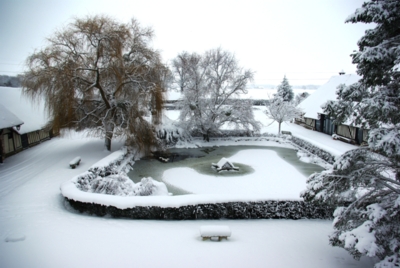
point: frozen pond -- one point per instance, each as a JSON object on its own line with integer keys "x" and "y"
{"x": 200, "y": 160}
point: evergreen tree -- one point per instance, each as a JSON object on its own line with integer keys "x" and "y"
{"x": 285, "y": 90}
{"x": 365, "y": 183}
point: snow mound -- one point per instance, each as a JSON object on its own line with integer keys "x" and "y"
{"x": 119, "y": 185}
{"x": 108, "y": 178}
{"x": 149, "y": 186}
{"x": 15, "y": 238}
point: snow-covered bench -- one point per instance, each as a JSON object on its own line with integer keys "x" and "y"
{"x": 286, "y": 132}
{"x": 75, "y": 162}
{"x": 215, "y": 232}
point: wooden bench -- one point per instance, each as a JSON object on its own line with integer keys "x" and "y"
{"x": 75, "y": 162}
{"x": 286, "y": 132}
{"x": 215, "y": 232}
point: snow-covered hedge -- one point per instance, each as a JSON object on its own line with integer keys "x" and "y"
{"x": 226, "y": 133}
{"x": 108, "y": 176}
{"x": 313, "y": 149}
{"x": 230, "y": 210}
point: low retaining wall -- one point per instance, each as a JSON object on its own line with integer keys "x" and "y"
{"x": 232, "y": 210}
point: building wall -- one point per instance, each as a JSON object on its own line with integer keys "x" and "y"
{"x": 356, "y": 134}
{"x": 347, "y": 131}
{"x": 11, "y": 142}
{"x": 309, "y": 122}
{"x": 38, "y": 136}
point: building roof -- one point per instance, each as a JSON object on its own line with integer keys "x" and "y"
{"x": 32, "y": 115}
{"x": 8, "y": 119}
{"x": 311, "y": 106}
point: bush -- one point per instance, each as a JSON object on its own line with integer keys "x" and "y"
{"x": 314, "y": 150}
{"x": 233, "y": 210}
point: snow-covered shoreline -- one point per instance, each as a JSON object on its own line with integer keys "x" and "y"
{"x": 71, "y": 192}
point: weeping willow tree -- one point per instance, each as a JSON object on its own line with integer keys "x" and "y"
{"x": 101, "y": 75}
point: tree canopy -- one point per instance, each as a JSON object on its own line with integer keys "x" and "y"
{"x": 211, "y": 84}
{"x": 365, "y": 183}
{"x": 285, "y": 90}
{"x": 281, "y": 111}
{"x": 101, "y": 75}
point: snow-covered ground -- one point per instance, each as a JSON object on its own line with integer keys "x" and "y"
{"x": 37, "y": 228}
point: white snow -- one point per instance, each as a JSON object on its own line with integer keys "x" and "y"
{"x": 8, "y": 119}
{"x": 215, "y": 230}
{"x": 273, "y": 178}
{"x": 39, "y": 229}
{"x": 31, "y": 113}
{"x": 75, "y": 160}
{"x": 109, "y": 159}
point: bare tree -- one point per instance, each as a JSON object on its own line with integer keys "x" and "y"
{"x": 281, "y": 111}
{"x": 100, "y": 75}
{"x": 211, "y": 87}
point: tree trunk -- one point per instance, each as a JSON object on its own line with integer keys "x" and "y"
{"x": 109, "y": 134}
{"x": 279, "y": 131}
{"x": 1, "y": 147}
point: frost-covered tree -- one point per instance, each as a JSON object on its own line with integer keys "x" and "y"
{"x": 281, "y": 111}
{"x": 365, "y": 183}
{"x": 211, "y": 84}
{"x": 285, "y": 90}
{"x": 101, "y": 75}
{"x": 300, "y": 97}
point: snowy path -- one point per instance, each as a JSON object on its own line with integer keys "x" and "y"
{"x": 47, "y": 234}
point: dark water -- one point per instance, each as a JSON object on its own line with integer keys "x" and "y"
{"x": 200, "y": 159}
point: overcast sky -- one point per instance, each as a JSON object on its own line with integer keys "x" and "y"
{"x": 305, "y": 40}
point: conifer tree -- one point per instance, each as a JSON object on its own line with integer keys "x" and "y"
{"x": 364, "y": 183}
{"x": 285, "y": 90}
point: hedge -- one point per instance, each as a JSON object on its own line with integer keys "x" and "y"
{"x": 233, "y": 210}
{"x": 314, "y": 149}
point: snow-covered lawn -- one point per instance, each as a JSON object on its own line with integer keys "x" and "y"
{"x": 37, "y": 229}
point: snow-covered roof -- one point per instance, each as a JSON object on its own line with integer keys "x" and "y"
{"x": 8, "y": 119}
{"x": 32, "y": 114}
{"x": 224, "y": 161}
{"x": 311, "y": 106}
